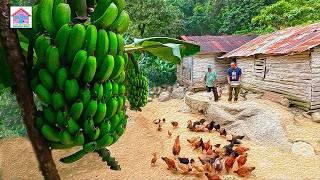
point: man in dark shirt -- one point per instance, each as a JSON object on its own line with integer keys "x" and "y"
{"x": 234, "y": 79}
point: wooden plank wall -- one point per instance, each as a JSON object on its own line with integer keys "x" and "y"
{"x": 184, "y": 71}
{"x": 315, "y": 66}
{"x": 289, "y": 75}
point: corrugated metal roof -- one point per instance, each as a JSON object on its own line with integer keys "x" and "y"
{"x": 287, "y": 41}
{"x": 218, "y": 44}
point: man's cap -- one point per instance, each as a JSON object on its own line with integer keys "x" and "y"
{"x": 209, "y": 66}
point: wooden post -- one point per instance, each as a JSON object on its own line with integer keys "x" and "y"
{"x": 24, "y": 93}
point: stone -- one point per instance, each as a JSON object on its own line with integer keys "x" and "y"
{"x": 150, "y": 99}
{"x": 178, "y": 93}
{"x": 275, "y": 97}
{"x": 195, "y": 103}
{"x": 164, "y": 96}
{"x": 170, "y": 89}
{"x": 316, "y": 117}
{"x": 303, "y": 148}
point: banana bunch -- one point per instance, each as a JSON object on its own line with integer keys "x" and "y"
{"x": 138, "y": 89}
{"x": 79, "y": 76}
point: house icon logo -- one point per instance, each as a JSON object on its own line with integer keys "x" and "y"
{"x": 21, "y": 17}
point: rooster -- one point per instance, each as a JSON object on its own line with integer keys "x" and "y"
{"x": 206, "y": 145}
{"x": 174, "y": 124}
{"x": 242, "y": 160}
{"x": 170, "y": 163}
{"x": 229, "y": 162}
{"x": 193, "y": 140}
{"x": 244, "y": 171}
{"x": 176, "y": 147}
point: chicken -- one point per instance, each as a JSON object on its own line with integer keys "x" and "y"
{"x": 154, "y": 159}
{"x": 206, "y": 145}
{"x": 156, "y": 121}
{"x": 184, "y": 168}
{"x": 235, "y": 139}
{"x": 170, "y": 163}
{"x": 159, "y": 127}
{"x": 216, "y": 126}
{"x": 212, "y": 176}
{"x": 199, "y": 168}
{"x": 199, "y": 128}
{"x": 229, "y": 162}
{"x": 208, "y": 167}
{"x": 242, "y": 160}
{"x": 198, "y": 144}
{"x": 241, "y": 150}
{"x": 194, "y": 139}
{"x": 223, "y": 132}
{"x": 209, "y": 151}
{"x": 219, "y": 151}
{"x": 190, "y": 125}
{"x": 176, "y": 147}
{"x": 174, "y": 124}
{"x": 229, "y": 148}
{"x": 202, "y": 121}
{"x": 210, "y": 126}
{"x": 217, "y": 165}
{"x": 203, "y": 160}
{"x": 183, "y": 160}
{"x": 244, "y": 171}
{"x": 169, "y": 133}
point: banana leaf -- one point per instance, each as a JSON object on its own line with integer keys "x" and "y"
{"x": 6, "y": 79}
{"x": 170, "y": 49}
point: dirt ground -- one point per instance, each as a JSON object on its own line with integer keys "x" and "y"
{"x": 134, "y": 150}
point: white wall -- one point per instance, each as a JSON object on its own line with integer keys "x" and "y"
{"x": 315, "y": 65}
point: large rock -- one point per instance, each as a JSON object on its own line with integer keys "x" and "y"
{"x": 303, "y": 148}
{"x": 316, "y": 117}
{"x": 275, "y": 97}
{"x": 164, "y": 96}
{"x": 198, "y": 102}
{"x": 178, "y": 93}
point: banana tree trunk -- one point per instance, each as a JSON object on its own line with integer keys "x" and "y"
{"x": 24, "y": 93}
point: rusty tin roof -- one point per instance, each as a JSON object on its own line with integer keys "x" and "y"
{"x": 287, "y": 41}
{"x": 218, "y": 44}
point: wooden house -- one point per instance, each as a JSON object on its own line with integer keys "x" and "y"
{"x": 192, "y": 69}
{"x": 285, "y": 62}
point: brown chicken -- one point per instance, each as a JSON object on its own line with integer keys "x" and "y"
{"x": 184, "y": 168}
{"x": 154, "y": 159}
{"x": 193, "y": 140}
{"x": 242, "y": 160}
{"x": 209, "y": 151}
{"x": 212, "y": 176}
{"x": 244, "y": 171}
{"x": 159, "y": 127}
{"x": 206, "y": 145}
{"x": 241, "y": 150}
{"x": 190, "y": 125}
{"x": 176, "y": 146}
{"x": 170, "y": 163}
{"x": 198, "y": 144}
{"x": 223, "y": 132}
{"x": 169, "y": 133}
{"x": 174, "y": 124}
{"x": 229, "y": 162}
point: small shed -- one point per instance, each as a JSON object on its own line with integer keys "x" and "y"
{"x": 192, "y": 69}
{"x": 285, "y": 62}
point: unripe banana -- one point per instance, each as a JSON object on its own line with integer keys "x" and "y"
{"x": 46, "y": 18}
{"x": 120, "y": 103}
{"x": 94, "y": 135}
{"x": 97, "y": 91}
{"x": 50, "y": 133}
{"x": 76, "y": 110}
{"x": 72, "y": 126}
{"x": 107, "y": 90}
{"x": 79, "y": 139}
{"x": 91, "y": 109}
{"x": 90, "y": 147}
{"x": 52, "y": 61}
{"x": 113, "y": 43}
{"x": 108, "y": 17}
{"x": 102, "y": 46}
{"x": 36, "y": 24}
{"x": 39, "y": 122}
{"x": 104, "y": 128}
{"x": 57, "y": 100}
{"x": 43, "y": 94}
{"x": 126, "y": 58}
{"x": 65, "y": 137}
{"x": 88, "y": 126}
{"x": 49, "y": 115}
{"x": 62, "y": 15}
{"x": 62, "y": 39}
{"x": 74, "y": 157}
{"x": 91, "y": 39}
{"x": 71, "y": 90}
{"x": 115, "y": 89}
{"x": 114, "y": 121}
{"x": 61, "y": 78}
{"x": 101, "y": 113}
{"x": 41, "y": 45}
{"x": 105, "y": 69}
{"x": 78, "y": 63}
{"x": 100, "y": 9}
{"x": 121, "y": 44}
{"x": 112, "y": 105}
{"x": 89, "y": 69}
{"x": 121, "y": 4}
{"x": 76, "y": 40}
{"x": 118, "y": 67}
{"x": 104, "y": 141}
{"x": 121, "y": 77}
{"x": 85, "y": 97}
{"x": 122, "y": 89}
{"x": 61, "y": 119}
{"x": 121, "y": 24}
{"x": 46, "y": 79}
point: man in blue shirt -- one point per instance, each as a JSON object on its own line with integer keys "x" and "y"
{"x": 234, "y": 79}
{"x": 210, "y": 78}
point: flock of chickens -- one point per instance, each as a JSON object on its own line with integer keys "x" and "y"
{"x": 213, "y": 159}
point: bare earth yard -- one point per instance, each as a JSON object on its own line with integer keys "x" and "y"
{"x": 134, "y": 150}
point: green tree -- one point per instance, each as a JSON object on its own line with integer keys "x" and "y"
{"x": 286, "y": 13}
{"x": 154, "y": 18}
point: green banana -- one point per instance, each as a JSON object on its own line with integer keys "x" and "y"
{"x": 104, "y": 141}
{"x": 78, "y": 63}
{"x": 46, "y": 18}
{"x": 57, "y": 100}
{"x": 118, "y": 67}
{"x": 121, "y": 44}
{"x": 50, "y": 133}
{"x": 89, "y": 69}
{"x": 49, "y": 115}
{"x": 100, "y": 9}
{"x": 101, "y": 113}
{"x": 94, "y": 134}
{"x": 41, "y": 45}
{"x": 61, "y": 77}
{"x": 120, "y": 130}
{"x": 43, "y": 94}
{"x": 126, "y": 58}
{"x": 76, "y": 40}
{"x": 79, "y": 8}
{"x": 90, "y": 147}
{"x": 102, "y": 46}
{"x": 52, "y": 61}
{"x": 91, "y": 109}
{"x": 121, "y": 77}
{"x": 115, "y": 89}
{"x": 107, "y": 90}
{"x": 121, "y": 4}
{"x": 74, "y": 157}
{"x": 122, "y": 89}
{"x": 91, "y": 39}
{"x": 109, "y": 16}
{"x": 73, "y": 127}
{"x": 62, "y": 39}
{"x": 79, "y": 139}
{"x": 62, "y": 15}
{"x": 114, "y": 121}
{"x": 121, "y": 24}
{"x": 39, "y": 122}
{"x": 65, "y": 137}
{"x": 71, "y": 90}
{"x": 88, "y": 126}
{"x": 104, "y": 128}
{"x": 112, "y": 105}
{"x": 105, "y": 69}
{"x": 115, "y": 138}
{"x": 85, "y": 97}
{"x": 120, "y": 103}
{"x": 46, "y": 79}
{"x": 97, "y": 91}
{"x": 76, "y": 110}
{"x": 113, "y": 43}
{"x": 36, "y": 24}
{"x": 61, "y": 119}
